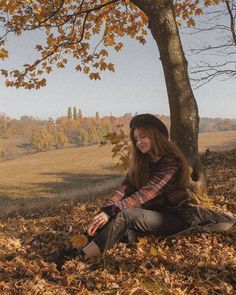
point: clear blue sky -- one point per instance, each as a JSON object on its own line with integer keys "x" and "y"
{"x": 137, "y": 86}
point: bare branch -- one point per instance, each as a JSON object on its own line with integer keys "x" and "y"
{"x": 232, "y": 20}
{"x": 221, "y": 44}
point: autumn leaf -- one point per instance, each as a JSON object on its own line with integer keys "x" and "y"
{"x": 78, "y": 68}
{"x": 142, "y": 241}
{"x": 66, "y": 35}
{"x": 103, "y": 66}
{"x": 153, "y": 251}
{"x": 3, "y": 54}
{"x": 78, "y": 241}
{"x": 111, "y": 67}
{"x": 156, "y": 266}
{"x": 39, "y": 47}
{"x": 4, "y": 73}
{"x": 118, "y": 46}
{"x": 104, "y": 52}
{"x": 60, "y": 64}
{"x": 156, "y": 251}
{"x": 198, "y": 11}
{"x": 87, "y": 35}
{"x": 94, "y": 76}
{"x": 190, "y": 23}
{"x": 86, "y": 70}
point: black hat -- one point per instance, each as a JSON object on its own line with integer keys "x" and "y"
{"x": 148, "y": 119}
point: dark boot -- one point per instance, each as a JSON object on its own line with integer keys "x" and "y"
{"x": 66, "y": 254}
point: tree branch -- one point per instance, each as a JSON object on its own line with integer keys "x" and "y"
{"x": 232, "y": 21}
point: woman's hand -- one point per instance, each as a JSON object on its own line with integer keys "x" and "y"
{"x": 98, "y": 221}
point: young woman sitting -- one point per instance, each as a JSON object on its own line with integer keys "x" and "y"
{"x": 152, "y": 199}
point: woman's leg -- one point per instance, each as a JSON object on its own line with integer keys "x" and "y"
{"x": 198, "y": 215}
{"x": 141, "y": 220}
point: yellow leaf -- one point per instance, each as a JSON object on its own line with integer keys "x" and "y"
{"x": 191, "y": 23}
{"x": 87, "y": 35}
{"x": 153, "y": 251}
{"x": 48, "y": 69}
{"x": 86, "y": 70}
{"x": 2, "y": 225}
{"x": 38, "y": 10}
{"x": 15, "y": 243}
{"x": 70, "y": 279}
{"x": 78, "y": 241}
{"x": 178, "y": 23}
{"x": 3, "y": 54}
{"x": 60, "y": 64}
{"x": 160, "y": 250}
{"x": 118, "y": 46}
{"x": 142, "y": 242}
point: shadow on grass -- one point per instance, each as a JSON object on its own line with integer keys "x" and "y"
{"x": 69, "y": 188}
{"x": 68, "y": 182}
{"x": 229, "y": 145}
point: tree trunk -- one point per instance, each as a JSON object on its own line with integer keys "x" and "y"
{"x": 183, "y": 107}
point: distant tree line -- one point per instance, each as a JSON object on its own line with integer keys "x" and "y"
{"x": 211, "y": 125}
{"x": 79, "y": 130}
{"x": 82, "y": 130}
{"x": 24, "y": 126}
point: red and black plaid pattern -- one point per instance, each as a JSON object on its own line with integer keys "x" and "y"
{"x": 161, "y": 189}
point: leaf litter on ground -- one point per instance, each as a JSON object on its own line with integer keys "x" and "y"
{"x": 194, "y": 262}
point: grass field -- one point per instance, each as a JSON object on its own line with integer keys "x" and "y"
{"x": 217, "y": 141}
{"x": 68, "y": 171}
{"x": 14, "y": 146}
{"x": 55, "y": 172}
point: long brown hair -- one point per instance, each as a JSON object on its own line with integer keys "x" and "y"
{"x": 161, "y": 146}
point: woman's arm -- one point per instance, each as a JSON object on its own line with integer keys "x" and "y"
{"x": 164, "y": 179}
{"x": 119, "y": 193}
{"x": 109, "y": 207}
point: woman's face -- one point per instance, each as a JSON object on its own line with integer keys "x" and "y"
{"x": 142, "y": 141}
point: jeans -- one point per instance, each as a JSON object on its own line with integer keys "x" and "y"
{"x": 140, "y": 221}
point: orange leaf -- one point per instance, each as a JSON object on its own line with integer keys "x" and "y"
{"x": 104, "y": 52}
{"x": 3, "y": 53}
{"x": 111, "y": 67}
{"x": 198, "y": 11}
{"x": 78, "y": 241}
{"x": 191, "y": 23}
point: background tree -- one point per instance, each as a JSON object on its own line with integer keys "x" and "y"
{"x": 69, "y": 25}
{"x": 41, "y": 140}
{"x": 83, "y": 136}
{"x": 75, "y": 115}
{"x": 97, "y": 117}
{"x": 61, "y": 140}
{"x": 69, "y": 113}
{"x": 80, "y": 115}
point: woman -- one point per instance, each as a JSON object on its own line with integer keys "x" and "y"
{"x": 153, "y": 198}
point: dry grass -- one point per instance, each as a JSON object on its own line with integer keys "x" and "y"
{"x": 55, "y": 172}
{"x": 217, "y": 141}
{"x": 14, "y": 146}
{"x": 73, "y": 172}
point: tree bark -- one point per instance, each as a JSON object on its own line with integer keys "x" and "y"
{"x": 183, "y": 107}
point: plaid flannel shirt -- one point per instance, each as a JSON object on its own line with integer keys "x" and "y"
{"x": 162, "y": 189}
